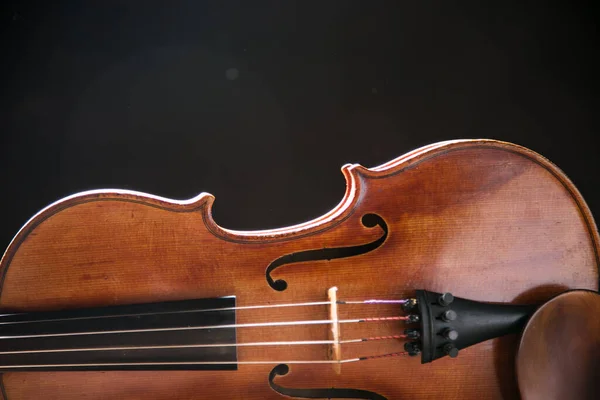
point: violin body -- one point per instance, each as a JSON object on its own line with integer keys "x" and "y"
{"x": 486, "y": 220}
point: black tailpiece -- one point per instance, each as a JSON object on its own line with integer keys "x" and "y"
{"x": 450, "y": 323}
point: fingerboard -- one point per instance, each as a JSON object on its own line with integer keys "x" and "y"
{"x": 154, "y": 336}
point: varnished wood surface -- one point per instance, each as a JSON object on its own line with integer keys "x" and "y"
{"x": 559, "y": 352}
{"x": 484, "y": 220}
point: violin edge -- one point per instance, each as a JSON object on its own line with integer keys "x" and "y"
{"x": 355, "y": 174}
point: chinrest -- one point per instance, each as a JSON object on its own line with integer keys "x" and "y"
{"x": 559, "y": 351}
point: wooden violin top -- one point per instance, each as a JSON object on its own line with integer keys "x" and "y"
{"x": 485, "y": 220}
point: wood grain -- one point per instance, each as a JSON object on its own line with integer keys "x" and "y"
{"x": 485, "y": 220}
{"x": 559, "y": 351}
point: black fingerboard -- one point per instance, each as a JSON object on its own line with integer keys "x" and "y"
{"x": 123, "y": 337}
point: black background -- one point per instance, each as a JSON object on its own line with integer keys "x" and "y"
{"x": 140, "y": 95}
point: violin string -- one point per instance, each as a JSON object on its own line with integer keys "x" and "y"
{"x": 237, "y": 308}
{"x": 185, "y": 328}
{"x": 266, "y": 362}
{"x": 375, "y": 301}
{"x": 251, "y": 344}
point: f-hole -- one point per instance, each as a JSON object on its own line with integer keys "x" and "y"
{"x": 368, "y": 220}
{"x": 318, "y": 393}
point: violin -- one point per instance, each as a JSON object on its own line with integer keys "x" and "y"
{"x": 420, "y": 284}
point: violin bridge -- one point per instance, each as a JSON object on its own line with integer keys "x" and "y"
{"x": 335, "y": 349}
